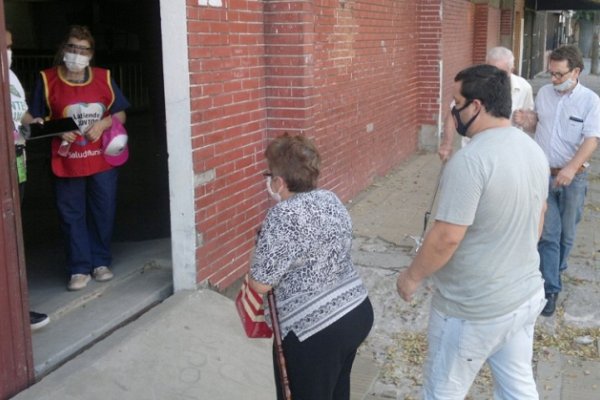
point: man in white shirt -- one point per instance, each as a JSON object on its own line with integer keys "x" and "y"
{"x": 521, "y": 96}
{"x": 566, "y": 123}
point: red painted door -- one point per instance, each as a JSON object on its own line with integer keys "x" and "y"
{"x": 16, "y": 362}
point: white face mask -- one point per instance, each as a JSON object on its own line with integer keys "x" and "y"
{"x": 566, "y": 85}
{"x": 275, "y": 196}
{"x": 9, "y": 57}
{"x": 76, "y": 62}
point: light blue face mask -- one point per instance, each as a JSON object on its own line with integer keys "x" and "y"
{"x": 566, "y": 85}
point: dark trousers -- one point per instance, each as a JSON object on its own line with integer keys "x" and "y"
{"x": 319, "y": 367}
{"x": 87, "y": 207}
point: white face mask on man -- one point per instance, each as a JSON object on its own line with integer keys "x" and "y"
{"x": 566, "y": 85}
{"x": 9, "y": 57}
{"x": 275, "y": 196}
{"x": 76, "y": 62}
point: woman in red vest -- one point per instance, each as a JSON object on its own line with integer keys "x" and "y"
{"x": 86, "y": 184}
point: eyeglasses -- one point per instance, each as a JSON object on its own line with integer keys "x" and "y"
{"x": 559, "y": 75}
{"x": 76, "y": 48}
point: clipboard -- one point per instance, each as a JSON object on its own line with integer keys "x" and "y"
{"x": 51, "y": 128}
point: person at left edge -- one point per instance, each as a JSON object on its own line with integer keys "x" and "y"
{"x": 85, "y": 183}
{"x": 20, "y": 117}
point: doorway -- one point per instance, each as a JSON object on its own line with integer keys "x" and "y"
{"x": 128, "y": 42}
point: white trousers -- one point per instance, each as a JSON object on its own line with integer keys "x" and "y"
{"x": 458, "y": 349}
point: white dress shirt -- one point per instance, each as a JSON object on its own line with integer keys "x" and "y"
{"x": 521, "y": 93}
{"x": 564, "y": 121}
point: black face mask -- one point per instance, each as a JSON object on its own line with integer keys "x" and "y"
{"x": 460, "y": 127}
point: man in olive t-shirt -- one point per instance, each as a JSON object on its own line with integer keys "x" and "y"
{"x": 482, "y": 249}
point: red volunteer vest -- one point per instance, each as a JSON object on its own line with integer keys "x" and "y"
{"x": 86, "y": 103}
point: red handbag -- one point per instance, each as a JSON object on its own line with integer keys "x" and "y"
{"x": 250, "y": 307}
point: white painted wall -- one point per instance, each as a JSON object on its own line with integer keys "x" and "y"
{"x": 179, "y": 143}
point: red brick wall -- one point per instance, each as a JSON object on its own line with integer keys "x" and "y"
{"x": 358, "y": 76}
{"x": 487, "y": 31}
{"x": 506, "y": 22}
{"x": 493, "y": 24}
{"x": 226, "y": 60}
{"x": 289, "y": 37}
{"x": 457, "y": 43}
{"x": 365, "y": 79}
{"x": 428, "y": 60}
{"x": 343, "y": 73}
{"x": 480, "y": 34}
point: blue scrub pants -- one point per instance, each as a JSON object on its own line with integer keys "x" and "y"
{"x": 86, "y": 207}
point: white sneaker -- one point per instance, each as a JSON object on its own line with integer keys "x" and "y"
{"x": 38, "y": 320}
{"x": 102, "y": 274}
{"x": 78, "y": 281}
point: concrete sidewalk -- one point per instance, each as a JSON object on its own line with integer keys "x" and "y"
{"x": 191, "y": 346}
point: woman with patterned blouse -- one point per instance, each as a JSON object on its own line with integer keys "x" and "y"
{"x": 303, "y": 254}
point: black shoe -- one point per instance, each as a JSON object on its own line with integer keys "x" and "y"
{"x": 550, "y": 304}
{"x": 38, "y": 320}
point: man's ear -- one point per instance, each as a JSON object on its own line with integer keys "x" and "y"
{"x": 479, "y": 104}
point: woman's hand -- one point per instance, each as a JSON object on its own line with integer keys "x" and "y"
{"x": 96, "y": 130}
{"x": 259, "y": 287}
{"x": 69, "y": 136}
{"x": 28, "y": 119}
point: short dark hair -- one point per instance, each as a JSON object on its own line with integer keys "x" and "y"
{"x": 488, "y": 84}
{"x": 296, "y": 160}
{"x": 571, "y": 54}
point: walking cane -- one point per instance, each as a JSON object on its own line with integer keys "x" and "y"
{"x": 285, "y": 382}
{"x": 419, "y": 240}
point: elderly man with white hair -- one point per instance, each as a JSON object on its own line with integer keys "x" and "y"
{"x": 521, "y": 96}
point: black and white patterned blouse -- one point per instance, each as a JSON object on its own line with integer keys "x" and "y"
{"x": 303, "y": 251}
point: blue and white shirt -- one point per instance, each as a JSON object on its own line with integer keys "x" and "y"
{"x": 303, "y": 251}
{"x": 564, "y": 121}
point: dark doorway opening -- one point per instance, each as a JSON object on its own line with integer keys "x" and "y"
{"x": 128, "y": 42}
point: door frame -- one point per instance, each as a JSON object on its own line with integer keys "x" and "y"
{"x": 16, "y": 355}
{"x": 184, "y": 238}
